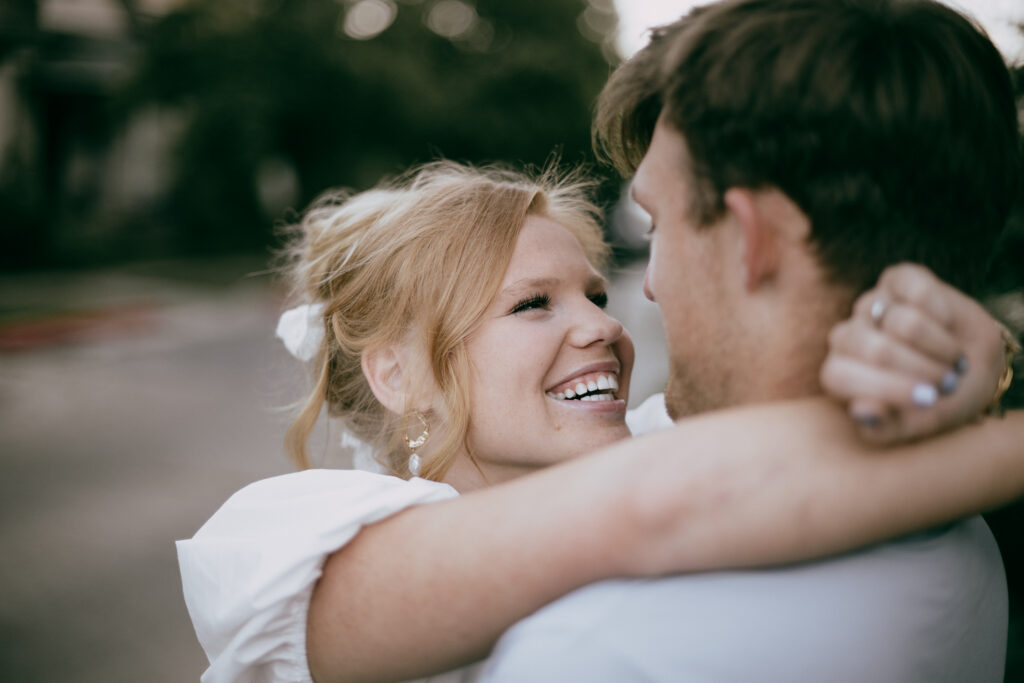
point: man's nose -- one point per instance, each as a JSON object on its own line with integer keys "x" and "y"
{"x": 647, "y": 283}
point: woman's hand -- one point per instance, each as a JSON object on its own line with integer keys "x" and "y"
{"x": 917, "y": 357}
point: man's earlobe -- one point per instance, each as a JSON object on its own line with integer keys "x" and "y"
{"x": 383, "y": 370}
{"x": 760, "y": 240}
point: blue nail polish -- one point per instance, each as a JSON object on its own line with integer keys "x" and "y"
{"x": 924, "y": 395}
{"x": 949, "y": 382}
{"x": 961, "y": 365}
{"x": 867, "y": 420}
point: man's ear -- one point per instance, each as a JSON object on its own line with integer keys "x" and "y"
{"x": 760, "y": 236}
{"x": 385, "y": 371}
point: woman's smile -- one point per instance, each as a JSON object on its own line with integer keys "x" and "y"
{"x": 593, "y": 388}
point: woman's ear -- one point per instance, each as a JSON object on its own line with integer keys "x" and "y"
{"x": 386, "y": 373}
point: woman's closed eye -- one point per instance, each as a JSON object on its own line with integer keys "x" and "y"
{"x": 542, "y": 301}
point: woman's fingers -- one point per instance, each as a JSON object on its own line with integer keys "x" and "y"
{"x": 874, "y": 420}
{"x": 886, "y": 406}
{"x": 975, "y": 335}
{"x": 916, "y": 357}
{"x": 849, "y": 378}
{"x": 857, "y": 339}
{"x": 918, "y": 287}
{"x": 914, "y": 325}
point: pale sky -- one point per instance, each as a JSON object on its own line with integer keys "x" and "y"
{"x": 997, "y": 16}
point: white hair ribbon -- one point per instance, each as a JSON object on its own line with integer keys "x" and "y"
{"x": 302, "y": 330}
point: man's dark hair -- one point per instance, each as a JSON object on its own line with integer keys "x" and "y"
{"x": 891, "y": 124}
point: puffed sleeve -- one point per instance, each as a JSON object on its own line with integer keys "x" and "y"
{"x": 249, "y": 572}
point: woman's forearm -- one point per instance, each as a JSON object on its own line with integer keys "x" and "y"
{"x": 433, "y": 587}
{"x": 791, "y": 481}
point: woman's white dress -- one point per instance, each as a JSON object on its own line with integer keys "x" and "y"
{"x": 249, "y": 572}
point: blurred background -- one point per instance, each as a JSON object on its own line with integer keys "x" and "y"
{"x": 148, "y": 149}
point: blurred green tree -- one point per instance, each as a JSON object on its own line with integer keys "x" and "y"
{"x": 284, "y": 99}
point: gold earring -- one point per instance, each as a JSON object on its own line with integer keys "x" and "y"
{"x": 414, "y": 444}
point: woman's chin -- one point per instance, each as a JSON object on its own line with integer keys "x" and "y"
{"x": 589, "y": 439}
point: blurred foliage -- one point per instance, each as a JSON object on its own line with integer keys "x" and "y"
{"x": 1008, "y": 267}
{"x": 275, "y": 93}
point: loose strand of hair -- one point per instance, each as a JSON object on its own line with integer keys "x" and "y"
{"x": 297, "y": 437}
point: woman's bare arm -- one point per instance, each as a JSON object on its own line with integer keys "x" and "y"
{"x": 433, "y": 587}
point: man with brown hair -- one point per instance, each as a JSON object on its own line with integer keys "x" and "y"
{"x": 787, "y": 151}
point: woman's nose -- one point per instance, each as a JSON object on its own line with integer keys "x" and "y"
{"x": 596, "y": 328}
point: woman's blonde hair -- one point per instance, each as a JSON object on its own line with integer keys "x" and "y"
{"x": 418, "y": 257}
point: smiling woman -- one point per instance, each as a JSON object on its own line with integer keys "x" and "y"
{"x": 545, "y": 334}
{"x": 457, "y": 328}
{"x": 491, "y": 290}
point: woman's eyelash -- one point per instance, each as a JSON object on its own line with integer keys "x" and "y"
{"x": 599, "y": 299}
{"x": 531, "y": 302}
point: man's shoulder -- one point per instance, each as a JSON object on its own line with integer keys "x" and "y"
{"x": 921, "y": 608}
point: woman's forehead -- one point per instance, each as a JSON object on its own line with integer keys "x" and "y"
{"x": 547, "y": 250}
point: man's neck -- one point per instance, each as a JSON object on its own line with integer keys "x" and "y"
{"x": 786, "y": 360}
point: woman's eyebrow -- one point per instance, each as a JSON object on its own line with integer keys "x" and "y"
{"x": 530, "y": 285}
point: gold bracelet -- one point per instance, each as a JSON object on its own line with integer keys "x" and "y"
{"x": 1012, "y": 347}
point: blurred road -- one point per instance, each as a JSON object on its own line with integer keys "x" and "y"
{"x": 133, "y": 401}
{"x": 137, "y": 401}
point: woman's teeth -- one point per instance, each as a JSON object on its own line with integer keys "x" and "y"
{"x": 597, "y": 397}
{"x": 599, "y": 388}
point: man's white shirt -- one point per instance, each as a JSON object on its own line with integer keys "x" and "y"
{"x": 928, "y": 608}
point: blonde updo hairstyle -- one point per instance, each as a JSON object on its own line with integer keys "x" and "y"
{"x": 417, "y": 258}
